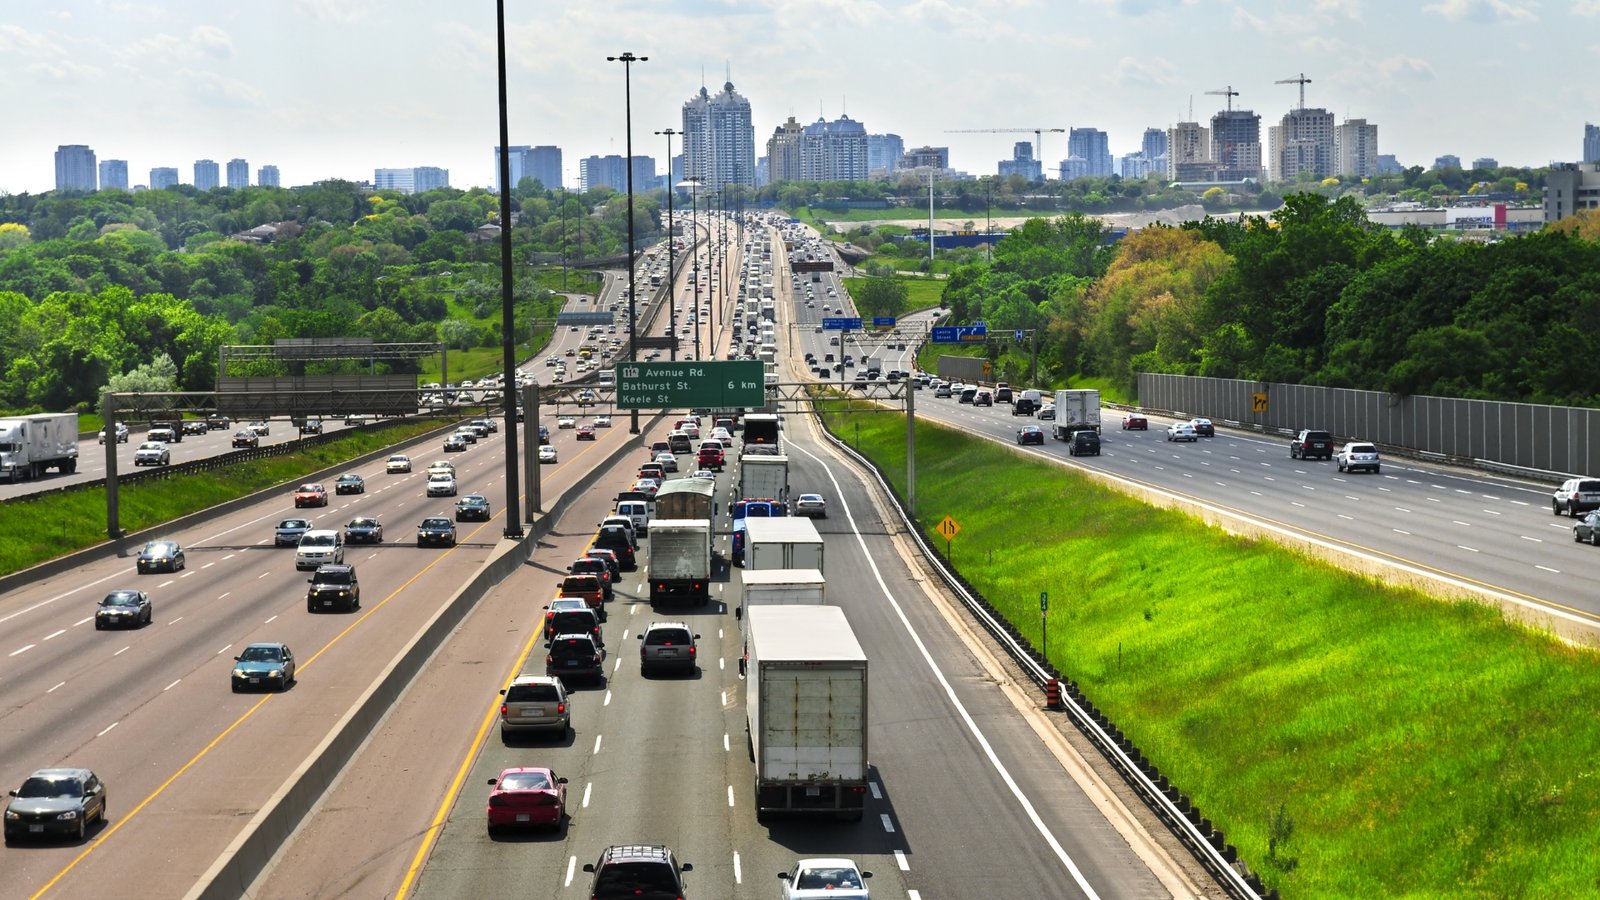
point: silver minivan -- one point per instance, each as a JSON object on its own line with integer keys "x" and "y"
{"x": 319, "y": 547}
{"x": 535, "y": 703}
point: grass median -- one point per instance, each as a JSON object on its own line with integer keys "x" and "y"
{"x": 33, "y": 530}
{"x": 1351, "y": 738}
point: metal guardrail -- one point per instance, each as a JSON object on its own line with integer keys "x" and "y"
{"x": 1208, "y": 844}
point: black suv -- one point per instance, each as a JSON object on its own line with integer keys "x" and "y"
{"x": 635, "y": 871}
{"x": 1084, "y": 443}
{"x": 334, "y": 587}
{"x": 1309, "y": 444}
{"x": 615, "y": 538}
{"x": 575, "y": 655}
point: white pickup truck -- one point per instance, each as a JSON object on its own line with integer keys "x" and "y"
{"x": 1357, "y": 455}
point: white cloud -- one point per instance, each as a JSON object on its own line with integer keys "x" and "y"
{"x": 1136, "y": 8}
{"x": 1586, "y": 7}
{"x": 1486, "y": 12}
{"x": 1403, "y": 69}
{"x": 344, "y": 12}
{"x": 1143, "y": 72}
{"x": 211, "y": 41}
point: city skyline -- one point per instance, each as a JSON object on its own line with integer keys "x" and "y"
{"x": 164, "y": 85}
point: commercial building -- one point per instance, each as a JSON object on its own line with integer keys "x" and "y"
{"x": 611, "y": 171}
{"x": 883, "y": 154}
{"x": 113, "y": 174}
{"x": 719, "y": 144}
{"x": 1447, "y": 161}
{"x": 411, "y": 181}
{"x": 1486, "y": 162}
{"x": 926, "y": 158}
{"x": 267, "y": 176}
{"x": 519, "y": 158}
{"x": 207, "y": 175}
{"x": 238, "y": 174}
{"x": 1570, "y": 187}
{"x": 1022, "y": 163}
{"x": 75, "y": 168}
{"x": 163, "y": 177}
{"x": 1356, "y": 146}
{"x": 544, "y": 166}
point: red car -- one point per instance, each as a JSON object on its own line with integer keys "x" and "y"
{"x": 1135, "y": 422}
{"x": 526, "y": 797}
{"x": 585, "y": 432}
{"x": 247, "y": 439}
{"x": 710, "y": 458}
{"x": 310, "y": 495}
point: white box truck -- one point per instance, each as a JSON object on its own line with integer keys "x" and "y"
{"x": 764, "y": 477}
{"x": 779, "y": 587}
{"x": 806, "y": 711}
{"x": 1076, "y": 410}
{"x": 679, "y": 560}
{"x": 787, "y": 543}
{"x": 31, "y": 444}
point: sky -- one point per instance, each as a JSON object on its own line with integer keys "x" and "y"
{"x": 336, "y": 88}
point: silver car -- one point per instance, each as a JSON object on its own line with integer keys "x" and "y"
{"x": 535, "y": 703}
{"x": 667, "y": 645}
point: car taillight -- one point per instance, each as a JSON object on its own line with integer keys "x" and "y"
{"x": 549, "y": 659}
{"x": 597, "y": 659}
{"x": 691, "y": 651}
{"x": 497, "y": 800}
{"x": 503, "y": 709}
{"x": 561, "y": 708}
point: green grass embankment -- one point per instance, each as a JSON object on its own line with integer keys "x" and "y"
{"x": 1352, "y": 739}
{"x": 35, "y": 530}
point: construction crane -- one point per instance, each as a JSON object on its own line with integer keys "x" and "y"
{"x": 1228, "y": 92}
{"x": 1302, "y": 80}
{"x": 1038, "y": 136}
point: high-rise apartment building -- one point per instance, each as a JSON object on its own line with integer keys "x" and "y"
{"x": 75, "y": 168}
{"x": 238, "y": 174}
{"x": 267, "y": 176}
{"x": 1389, "y": 164}
{"x": 1486, "y": 162}
{"x": 833, "y": 151}
{"x": 719, "y": 143}
{"x": 883, "y": 154}
{"x": 411, "y": 181}
{"x": 1302, "y": 143}
{"x": 1137, "y": 165}
{"x": 1236, "y": 145}
{"x": 1022, "y": 163}
{"x": 1188, "y": 145}
{"x": 1355, "y": 147}
{"x": 113, "y": 174}
{"x": 207, "y": 175}
{"x": 1447, "y": 161}
{"x": 783, "y": 151}
{"x": 611, "y": 171}
{"x": 163, "y": 177}
{"x": 1591, "y": 143}
{"x": 1154, "y": 146}
{"x": 1093, "y": 148}
{"x": 926, "y": 158}
{"x": 544, "y": 166}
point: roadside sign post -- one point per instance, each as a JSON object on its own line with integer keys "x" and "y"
{"x": 948, "y": 528}
{"x": 1044, "y": 625}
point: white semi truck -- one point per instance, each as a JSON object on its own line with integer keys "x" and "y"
{"x": 679, "y": 560}
{"x": 806, "y": 711}
{"x": 790, "y": 542}
{"x": 1076, "y": 410}
{"x": 29, "y": 445}
{"x": 779, "y": 587}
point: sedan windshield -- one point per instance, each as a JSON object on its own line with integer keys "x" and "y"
{"x": 120, "y": 600}
{"x": 51, "y": 787}
{"x": 259, "y": 654}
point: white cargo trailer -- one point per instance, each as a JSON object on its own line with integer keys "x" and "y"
{"x": 787, "y": 543}
{"x": 31, "y": 444}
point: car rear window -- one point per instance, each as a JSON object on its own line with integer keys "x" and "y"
{"x": 1589, "y": 486}
{"x": 573, "y": 647}
{"x": 661, "y": 637}
{"x": 526, "y": 693}
{"x": 580, "y": 583}
{"x": 637, "y": 877}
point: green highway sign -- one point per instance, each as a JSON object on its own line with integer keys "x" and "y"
{"x": 683, "y": 385}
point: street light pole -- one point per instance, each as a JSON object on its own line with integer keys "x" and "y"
{"x": 672, "y": 275}
{"x": 694, "y": 252}
{"x": 508, "y": 331}
{"x": 627, "y": 60}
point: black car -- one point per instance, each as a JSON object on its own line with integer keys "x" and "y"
{"x": 627, "y": 872}
{"x": 311, "y": 426}
{"x": 1084, "y": 443}
{"x": 1023, "y": 406}
{"x": 472, "y": 508}
{"x": 1030, "y": 434}
{"x": 363, "y": 530}
{"x": 123, "y": 609}
{"x": 350, "y": 484}
{"x": 334, "y": 586}
{"x": 572, "y": 621}
{"x": 218, "y": 422}
{"x": 454, "y": 444}
{"x": 1310, "y": 444}
{"x": 437, "y": 531}
{"x": 1587, "y": 529}
{"x": 615, "y": 538}
{"x": 195, "y": 426}
{"x": 56, "y": 802}
{"x": 160, "y": 556}
{"x": 572, "y": 656}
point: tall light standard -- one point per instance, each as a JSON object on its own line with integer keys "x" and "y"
{"x": 672, "y": 273}
{"x": 508, "y": 331}
{"x": 627, "y": 60}
{"x": 694, "y": 252}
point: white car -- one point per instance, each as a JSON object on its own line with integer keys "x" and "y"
{"x": 397, "y": 463}
{"x": 811, "y": 505}
{"x": 566, "y": 422}
{"x": 602, "y": 422}
{"x": 152, "y": 453}
{"x": 440, "y": 465}
{"x": 1181, "y": 431}
{"x": 1357, "y": 455}
{"x": 441, "y": 484}
{"x": 547, "y": 453}
{"x": 705, "y": 474}
{"x": 825, "y": 879}
{"x": 668, "y": 462}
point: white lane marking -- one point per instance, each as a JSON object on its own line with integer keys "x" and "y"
{"x": 262, "y": 575}
{"x": 1398, "y": 531}
{"x": 722, "y": 664}
{"x": 1534, "y": 539}
{"x": 123, "y": 650}
{"x": 1458, "y": 522}
{"x": 1297, "y": 503}
{"x": 596, "y": 745}
{"x": 206, "y": 566}
{"x": 1465, "y": 547}
{"x": 572, "y": 865}
{"x": 171, "y": 686}
{"x": 950, "y": 694}
{"x": 107, "y": 728}
{"x": 229, "y": 556}
{"x": 608, "y": 699}
{"x": 1548, "y": 569}
{"x": 901, "y": 861}
{"x": 1343, "y": 516}
{"x": 1491, "y": 512}
{"x": 724, "y": 742}
{"x": 223, "y": 594}
{"x": 730, "y": 796}
{"x": 222, "y": 651}
{"x": 55, "y": 634}
{"x": 888, "y": 826}
{"x": 82, "y": 621}
{"x": 167, "y": 582}
{"x": 738, "y": 871}
{"x": 1431, "y": 499}
{"x": 23, "y": 650}
{"x": 588, "y": 787}
{"x": 54, "y": 689}
{"x": 877, "y": 792}
{"x": 1401, "y": 509}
